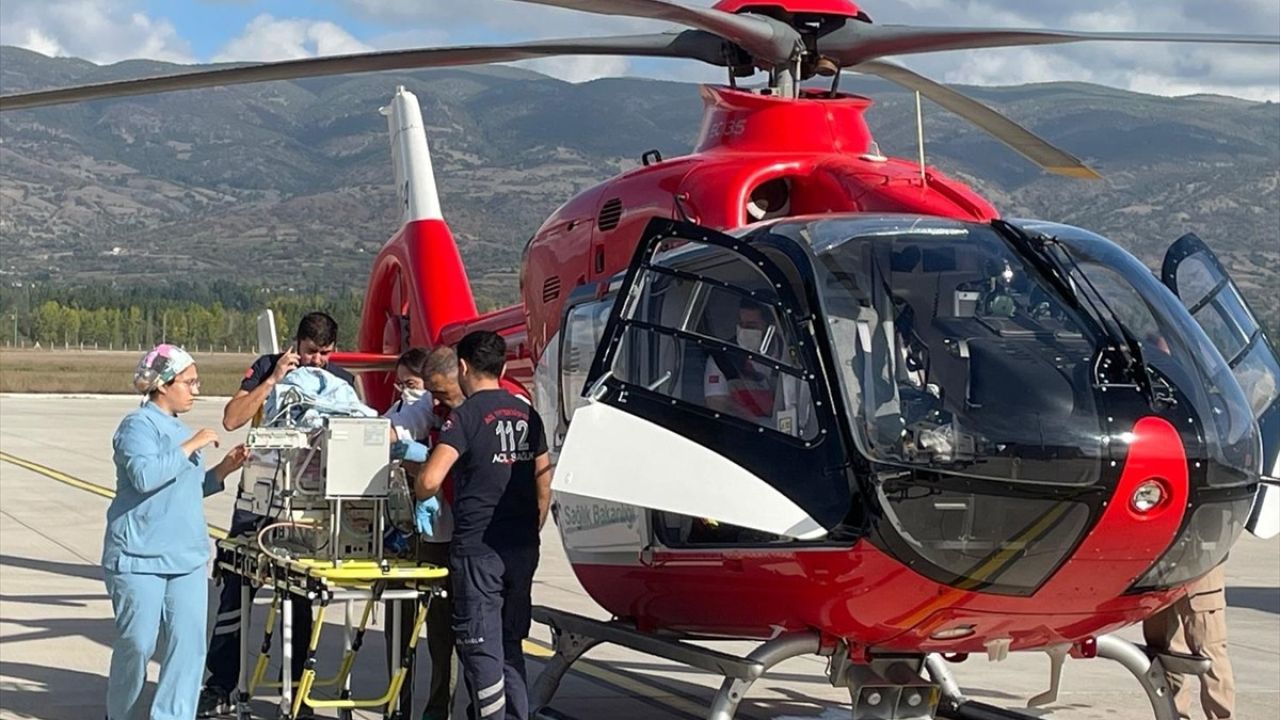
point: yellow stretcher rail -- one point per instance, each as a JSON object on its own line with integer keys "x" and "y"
{"x": 317, "y": 580}
{"x": 348, "y": 656}
{"x": 369, "y": 571}
{"x": 389, "y": 700}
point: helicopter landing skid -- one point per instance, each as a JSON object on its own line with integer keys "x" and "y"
{"x": 1149, "y": 667}
{"x": 1146, "y": 665}
{"x": 573, "y": 635}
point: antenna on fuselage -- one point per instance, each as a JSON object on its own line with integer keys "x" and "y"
{"x": 415, "y": 180}
{"x": 920, "y": 136}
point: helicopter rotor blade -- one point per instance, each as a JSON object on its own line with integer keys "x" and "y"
{"x": 856, "y": 42}
{"x": 689, "y": 44}
{"x": 1032, "y": 146}
{"x": 763, "y": 37}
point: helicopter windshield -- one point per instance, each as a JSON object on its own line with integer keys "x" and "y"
{"x": 959, "y": 353}
{"x": 940, "y": 330}
{"x": 1179, "y": 356}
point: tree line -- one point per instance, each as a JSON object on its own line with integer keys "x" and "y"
{"x": 211, "y": 317}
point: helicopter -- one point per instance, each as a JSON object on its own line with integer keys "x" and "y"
{"x": 832, "y": 401}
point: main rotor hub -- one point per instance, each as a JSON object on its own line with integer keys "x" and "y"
{"x": 836, "y": 8}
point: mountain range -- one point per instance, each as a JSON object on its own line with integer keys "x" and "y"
{"x": 296, "y": 175}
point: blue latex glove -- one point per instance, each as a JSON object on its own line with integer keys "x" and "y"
{"x": 425, "y": 514}
{"x": 408, "y": 450}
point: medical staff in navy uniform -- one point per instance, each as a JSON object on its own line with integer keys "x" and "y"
{"x": 314, "y": 341}
{"x": 496, "y": 447}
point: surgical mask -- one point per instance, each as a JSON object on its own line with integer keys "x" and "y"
{"x": 412, "y": 395}
{"x": 750, "y": 338}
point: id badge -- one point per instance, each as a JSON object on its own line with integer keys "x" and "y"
{"x": 787, "y": 421}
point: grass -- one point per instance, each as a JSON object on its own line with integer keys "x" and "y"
{"x": 89, "y": 371}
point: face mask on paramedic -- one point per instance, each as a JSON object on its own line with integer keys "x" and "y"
{"x": 750, "y": 338}
{"x": 411, "y": 387}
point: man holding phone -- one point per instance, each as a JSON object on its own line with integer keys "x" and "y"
{"x": 315, "y": 340}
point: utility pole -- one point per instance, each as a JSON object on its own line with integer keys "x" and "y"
{"x": 15, "y": 328}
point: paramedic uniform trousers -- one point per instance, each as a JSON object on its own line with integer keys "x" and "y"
{"x": 151, "y": 609}
{"x": 224, "y": 646}
{"x": 1197, "y": 623}
{"x": 492, "y": 611}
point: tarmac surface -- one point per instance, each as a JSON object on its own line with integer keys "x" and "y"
{"x": 56, "y": 630}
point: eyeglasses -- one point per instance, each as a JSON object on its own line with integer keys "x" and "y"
{"x": 192, "y": 384}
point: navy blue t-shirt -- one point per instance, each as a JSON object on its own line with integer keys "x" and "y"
{"x": 495, "y": 500}
{"x": 262, "y": 368}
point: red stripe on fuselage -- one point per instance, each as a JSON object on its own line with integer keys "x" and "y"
{"x": 861, "y": 593}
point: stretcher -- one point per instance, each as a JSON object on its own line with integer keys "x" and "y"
{"x": 321, "y": 583}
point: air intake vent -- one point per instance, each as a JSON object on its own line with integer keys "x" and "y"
{"x": 550, "y": 289}
{"x": 610, "y": 214}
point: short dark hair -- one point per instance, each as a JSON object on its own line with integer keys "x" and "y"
{"x": 442, "y": 361}
{"x": 485, "y": 351}
{"x": 753, "y": 305}
{"x": 415, "y": 361}
{"x": 319, "y": 328}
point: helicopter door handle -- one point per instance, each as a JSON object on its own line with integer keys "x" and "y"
{"x": 658, "y": 383}
{"x": 598, "y": 389}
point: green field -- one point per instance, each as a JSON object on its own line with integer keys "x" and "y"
{"x": 89, "y": 371}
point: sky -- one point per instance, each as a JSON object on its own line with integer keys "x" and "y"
{"x": 195, "y": 31}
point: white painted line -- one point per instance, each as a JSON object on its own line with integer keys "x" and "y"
{"x": 99, "y": 396}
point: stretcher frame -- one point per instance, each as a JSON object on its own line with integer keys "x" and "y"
{"x": 322, "y": 582}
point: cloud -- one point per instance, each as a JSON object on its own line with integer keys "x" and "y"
{"x": 577, "y": 68}
{"x": 501, "y": 20}
{"x": 267, "y": 38}
{"x": 33, "y": 38}
{"x": 98, "y": 30}
{"x": 439, "y": 22}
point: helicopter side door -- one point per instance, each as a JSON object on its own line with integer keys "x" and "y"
{"x": 706, "y": 396}
{"x": 1198, "y": 278}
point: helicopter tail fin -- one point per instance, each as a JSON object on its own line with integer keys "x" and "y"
{"x": 411, "y": 160}
{"x": 438, "y": 279}
{"x": 432, "y": 283}
{"x": 418, "y": 284}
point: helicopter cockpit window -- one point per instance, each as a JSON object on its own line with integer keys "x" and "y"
{"x": 706, "y": 329}
{"x": 1176, "y": 351}
{"x": 940, "y": 329}
{"x": 584, "y": 326}
{"x": 1232, "y": 329}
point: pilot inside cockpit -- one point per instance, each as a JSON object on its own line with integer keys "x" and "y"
{"x": 998, "y": 297}
{"x": 739, "y": 385}
{"x": 748, "y": 388}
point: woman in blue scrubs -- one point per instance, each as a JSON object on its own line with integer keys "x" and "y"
{"x": 156, "y": 545}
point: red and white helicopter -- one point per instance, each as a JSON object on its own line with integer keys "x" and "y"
{"x": 830, "y": 400}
